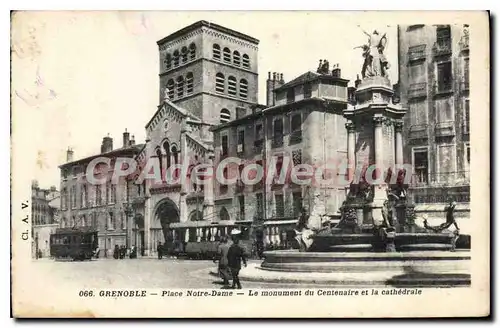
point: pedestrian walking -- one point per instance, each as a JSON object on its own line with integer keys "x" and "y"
{"x": 236, "y": 255}
{"x": 159, "y": 249}
{"x": 222, "y": 251}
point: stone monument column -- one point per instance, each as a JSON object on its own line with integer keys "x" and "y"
{"x": 148, "y": 216}
{"x": 379, "y": 185}
{"x": 208, "y": 189}
{"x": 351, "y": 148}
{"x": 398, "y": 128}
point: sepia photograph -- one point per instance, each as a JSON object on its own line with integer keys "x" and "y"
{"x": 273, "y": 164}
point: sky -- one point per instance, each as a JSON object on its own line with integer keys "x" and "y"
{"x": 78, "y": 76}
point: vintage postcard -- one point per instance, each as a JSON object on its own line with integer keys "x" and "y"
{"x": 250, "y": 164}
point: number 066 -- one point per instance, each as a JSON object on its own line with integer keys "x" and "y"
{"x": 86, "y": 293}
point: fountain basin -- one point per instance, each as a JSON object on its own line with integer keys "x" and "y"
{"x": 427, "y": 268}
{"x": 362, "y": 242}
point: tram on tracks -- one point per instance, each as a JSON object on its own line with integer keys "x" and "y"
{"x": 200, "y": 239}
{"x": 74, "y": 243}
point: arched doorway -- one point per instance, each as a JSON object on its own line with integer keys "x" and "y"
{"x": 167, "y": 212}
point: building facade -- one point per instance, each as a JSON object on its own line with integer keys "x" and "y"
{"x": 434, "y": 87}
{"x": 45, "y": 213}
{"x": 105, "y": 207}
{"x": 302, "y": 125}
{"x": 207, "y": 74}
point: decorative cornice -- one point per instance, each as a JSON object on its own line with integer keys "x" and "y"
{"x": 175, "y": 42}
{"x": 197, "y": 26}
{"x": 229, "y": 38}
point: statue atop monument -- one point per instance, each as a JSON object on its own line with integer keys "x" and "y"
{"x": 375, "y": 63}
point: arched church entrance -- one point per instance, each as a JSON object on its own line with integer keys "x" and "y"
{"x": 168, "y": 213}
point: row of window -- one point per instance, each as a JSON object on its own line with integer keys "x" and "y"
{"x": 182, "y": 86}
{"x": 40, "y": 219}
{"x": 234, "y": 58}
{"x": 187, "y": 54}
{"x": 278, "y": 210}
{"x": 444, "y": 79}
{"x": 278, "y": 135}
{"x": 231, "y": 87}
{"x": 110, "y": 193}
{"x": 422, "y": 171}
{"x": 91, "y": 221}
{"x": 180, "y": 57}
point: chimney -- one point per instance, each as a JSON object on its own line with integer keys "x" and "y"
{"x": 281, "y": 79}
{"x": 132, "y": 141}
{"x": 269, "y": 91}
{"x": 107, "y": 144}
{"x": 357, "y": 82}
{"x": 274, "y": 76}
{"x": 126, "y": 139}
{"x": 336, "y": 71}
{"x": 69, "y": 155}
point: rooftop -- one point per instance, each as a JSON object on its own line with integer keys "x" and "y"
{"x": 310, "y": 76}
{"x": 273, "y": 109}
{"x": 124, "y": 150}
{"x": 213, "y": 26}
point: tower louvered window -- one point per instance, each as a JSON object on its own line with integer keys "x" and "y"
{"x": 246, "y": 61}
{"x": 243, "y": 89}
{"x": 192, "y": 51}
{"x": 219, "y": 83}
{"x": 227, "y": 55}
{"x": 189, "y": 83}
{"x": 225, "y": 115}
{"x": 184, "y": 53}
{"x": 170, "y": 87}
{"x": 216, "y": 52}
{"x": 180, "y": 87}
{"x": 236, "y": 58}
{"x": 231, "y": 86}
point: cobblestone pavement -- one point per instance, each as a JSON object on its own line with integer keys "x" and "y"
{"x": 136, "y": 273}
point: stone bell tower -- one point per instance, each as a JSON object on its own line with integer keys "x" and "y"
{"x": 374, "y": 145}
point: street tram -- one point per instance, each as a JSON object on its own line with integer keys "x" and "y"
{"x": 74, "y": 243}
{"x": 200, "y": 239}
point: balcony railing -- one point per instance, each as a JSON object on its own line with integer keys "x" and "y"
{"x": 417, "y": 90}
{"x": 416, "y": 52}
{"x": 445, "y": 129}
{"x": 442, "y": 47}
{"x": 464, "y": 43}
{"x": 295, "y": 137}
{"x": 418, "y": 132}
{"x": 425, "y": 179}
{"x": 277, "y": 141}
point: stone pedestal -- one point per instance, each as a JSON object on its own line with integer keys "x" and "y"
{"x": 374, "y": 142}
